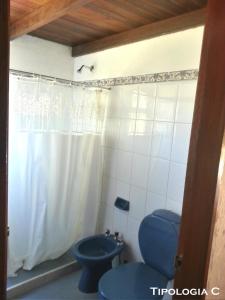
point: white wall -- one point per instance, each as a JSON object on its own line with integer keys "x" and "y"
{"x": 147, "y": 129}
{"x": 177, "y": 51}
{"x": 36, "y": 55}
{"x": 145, "y": 153}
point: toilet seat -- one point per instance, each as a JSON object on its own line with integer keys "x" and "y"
{"x": 130, "y": 282}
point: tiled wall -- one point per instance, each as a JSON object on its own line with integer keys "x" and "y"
{"x": 147, "y": 134}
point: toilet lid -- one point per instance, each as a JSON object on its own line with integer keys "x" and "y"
{"x": 158, "y": 240}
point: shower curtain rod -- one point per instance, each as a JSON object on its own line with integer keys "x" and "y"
{"x": 55, "y": 79}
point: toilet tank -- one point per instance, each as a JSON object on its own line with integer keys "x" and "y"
{"x": 158, "y": 240}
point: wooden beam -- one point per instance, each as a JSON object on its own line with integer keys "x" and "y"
{"x": 45, "y": 14}
{"x": 4, "y": 83}
{"x": 205, "y": 163}
{"x": 170, "y": 25}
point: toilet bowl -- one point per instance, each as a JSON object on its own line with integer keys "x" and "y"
{"x": 158, "y": 240}
{"x": 95, "y": 253}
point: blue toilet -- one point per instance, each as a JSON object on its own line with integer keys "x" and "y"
{"x": 158, "y": 240}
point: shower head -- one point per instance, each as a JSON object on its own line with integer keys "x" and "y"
{"x": 91, "y": 68}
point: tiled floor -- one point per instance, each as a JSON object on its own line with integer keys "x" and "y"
{"x": 64, "y": 288}
{"x": 40, "y": 269}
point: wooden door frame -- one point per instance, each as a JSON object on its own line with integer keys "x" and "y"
{"x": 4, "y": 90}
{"x": 204, "y": 155}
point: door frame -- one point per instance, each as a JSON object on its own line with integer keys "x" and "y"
{"x": 208, "y": 128}
{"x": 4, "y": 91}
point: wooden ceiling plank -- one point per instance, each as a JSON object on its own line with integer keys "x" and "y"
{"x": 77, "y": 29}
{"x": 157, "y": 10}
{"x": 104, "y": 18}
{"x": 62, "y": 29}
{"x": 116, "y": 13}
{"x": 173, "y": 24}
{"x": 54, "y": 38}
{"x": 87, "y": 26}
{"x": 43, "y": 15}
{"x": 90, "y": 18}
{"x": 19, "y": 9}
{"x": 120, "y": 9}
{"x": 135, "y": 11}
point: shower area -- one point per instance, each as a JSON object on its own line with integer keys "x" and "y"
{"x": 74, "y": 147}
{"x": 55, "y": 171}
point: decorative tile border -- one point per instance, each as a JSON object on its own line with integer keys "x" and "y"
{"x": 110, "y": 82}
{"x": 147, "y": 78}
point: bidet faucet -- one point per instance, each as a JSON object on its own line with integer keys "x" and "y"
{"x": 118, "y": 238}
{"x": 107, "y": 233}
{"x": 116, "y": 235}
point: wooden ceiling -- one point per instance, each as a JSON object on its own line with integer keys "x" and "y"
{"x": 80, "y": 23}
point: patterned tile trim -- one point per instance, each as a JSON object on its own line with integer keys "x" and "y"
{"x": 147, "y": 78}
{"x": 110, "y": 82}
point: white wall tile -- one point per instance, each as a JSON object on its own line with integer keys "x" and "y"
{"x": 106, "y": 217}
{"x": 158, "y": 176}
{"x": 120, "y": 221}
{"x": 122, "y": 190}
{"x": 140, "y": 168}
{"x": 162, "y": 138}
{"x": 174, "y": 206}
{"x": 186, "y": 101}
{"x": 142, "y": 137}
{"x": 109, "y": 186}
{"x": 176, "y": 182}
{"x": 132, "y": 239}
{"x": 124, "y": 165}
{"x": 137, "y": 203}
{"x": 181, "y": 142}
{"x": 154, "y": 202}
{"x": 123, "y": 102}
{"x": 126, "y": 135}
{"x": 113, "y": 109}
{"x": 146, "y": 101}
{"x": 166, "y": 102}
{"x": 128, "y": 100}
{"x": 145, "y": 154}
{"x": 111, "y": 136}
{"x": 109, "y": 162}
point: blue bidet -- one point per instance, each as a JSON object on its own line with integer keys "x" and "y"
{"x": 95, "y": 253}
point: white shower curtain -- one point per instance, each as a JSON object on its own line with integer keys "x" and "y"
{"x": 54, "y": 168}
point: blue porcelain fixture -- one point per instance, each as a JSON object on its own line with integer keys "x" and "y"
{"x": 96, "y": 253}
{"x": 158, "y": 239}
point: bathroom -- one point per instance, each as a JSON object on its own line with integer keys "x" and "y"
{"x": 98, "y": 152}
{"x": 141, "y": 152}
